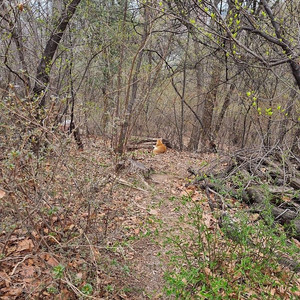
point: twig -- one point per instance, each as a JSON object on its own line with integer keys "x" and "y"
{"x": 76, "y": 290}
{"x": 220, "y": 196}
{"x": 285, "y": 211}
{"x": 14, "y": 269}
{"x": 123, "y": 182}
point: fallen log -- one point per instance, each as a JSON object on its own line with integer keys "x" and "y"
{"x": 136, "y": 143}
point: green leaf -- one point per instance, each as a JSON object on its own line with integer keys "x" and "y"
{"x": 87, "y": 289}
{"x": 58, "y": 271}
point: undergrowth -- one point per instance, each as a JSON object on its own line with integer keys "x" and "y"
{"x": 218, "y": 256}
{"x": 56, "y": 227}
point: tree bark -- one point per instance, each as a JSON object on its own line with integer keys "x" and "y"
{"x": 196, "y": 131}
{"x": 17, "y": 36}
{"x": 209, "y": 106}
{"x": 133, "y": 86}
{"x": 224, "y": 109}
{"x": 44, "y": 67}
{"x": 283, "y": 126}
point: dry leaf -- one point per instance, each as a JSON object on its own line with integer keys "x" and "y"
{"x": 25, "y": 245}
{"x": 65, "y": 294}
{"x": 153, "y": 212}
{"x": 254, "y": 217}
{"x": 49, "y": 259}
{"x": 2, "y": 194}
{"x": 10, "y": 292}
{"x": 28, "y": 271}
{"x": 5, "y": 277}
{"x": 207, "y": 271}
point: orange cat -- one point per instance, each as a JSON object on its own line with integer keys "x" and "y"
{"x": 160, "y": 147}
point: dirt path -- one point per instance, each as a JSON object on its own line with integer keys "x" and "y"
{"x": 152, "y": 208}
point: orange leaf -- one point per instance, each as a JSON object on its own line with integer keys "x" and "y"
{"x": 2, "y": 194}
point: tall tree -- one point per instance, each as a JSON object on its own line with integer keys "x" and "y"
{"x": 44, "y": 67}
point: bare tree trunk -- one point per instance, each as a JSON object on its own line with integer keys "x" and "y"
{"x": 17, "y": 36}
{"x": 208, "y": 108}
{"x": 296, "y": 142}
{"x": 105, "y": 115}
{"x": 43, "y": 70}
{"x": 183, "y": 95}
{"x": 121, "y": 49}
{"x": 246, "y": 131}
{"x": 128, "y": 110}
{"x": 223, "y": 109}
{"x": 132, "y": 82}
{"x": 284, "y": 123}
{"x": 72, "y": 127}
{"x": 196, "y": 131}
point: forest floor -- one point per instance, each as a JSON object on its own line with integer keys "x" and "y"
{"x": 89, "y": 231}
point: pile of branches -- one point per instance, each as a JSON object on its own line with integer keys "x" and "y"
{"x": 262, "y": 179}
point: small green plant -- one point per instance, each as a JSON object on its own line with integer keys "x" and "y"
{"x": 87, "y": 289}
{"x": 52, "y": 211}
{"x": 58, "y": 271}
{"x": 126, "y": 269}
{"x": 52, "y": 290}
{"x": 109, "y": 288}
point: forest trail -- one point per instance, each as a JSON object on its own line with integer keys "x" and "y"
{"x": 155, "y": 211}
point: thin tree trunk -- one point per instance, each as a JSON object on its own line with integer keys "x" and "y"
{"x": 72, "y": 127}
{"x": 224, "y": 109}
{"x": 106, "y": 76}
{"x": 183, "y": 95}
{"x": 133, "y": 86}
{"x": 296, "y": 142}
{"x": 196, "y": 131}
{"x": 44, "y": 67}
{"x": 17, "y": 36}
{"x": 121, "y": 61}
{"x": 284, "y": 123}
{"x": 209, "y": 106}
